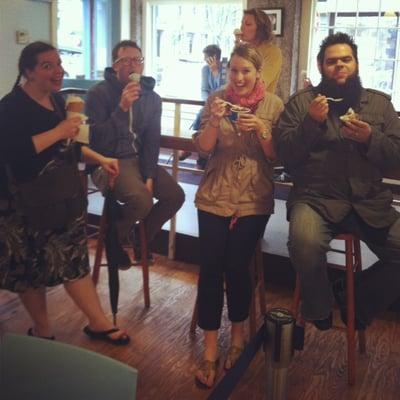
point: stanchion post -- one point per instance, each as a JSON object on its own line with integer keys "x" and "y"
{"x": 279, "y": 324}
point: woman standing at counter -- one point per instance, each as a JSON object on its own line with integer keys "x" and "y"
{"x": 256, "y": 29}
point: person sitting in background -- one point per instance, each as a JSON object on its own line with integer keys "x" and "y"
{"x": 125, "y": 123}
{"x": 337, "y": 153}
{"x": 256, "y": 29}
{"x": 212, "y": 79}
{"x": 44, "y": 244}
{"x": 234, "y": 200}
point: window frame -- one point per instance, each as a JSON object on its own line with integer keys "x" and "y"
{"x": 307, "y": 60}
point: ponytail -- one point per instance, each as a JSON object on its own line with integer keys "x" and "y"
{"x": 17, "y": 81}
{"x": 28, "y": 57}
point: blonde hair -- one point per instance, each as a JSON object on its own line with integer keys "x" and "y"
{"x": 248, "y": 53}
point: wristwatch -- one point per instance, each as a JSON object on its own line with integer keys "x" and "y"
{"x": 264, "y": 135}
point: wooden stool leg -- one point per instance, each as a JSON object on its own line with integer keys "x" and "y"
{"x": 351, "y": 333}
{"x": 195, "y": 316}
{"x": 358, "y": 267}
{"x": 296, "y": 297}
{"x": 99, "y": 246}
{"x": 145, "y": 263}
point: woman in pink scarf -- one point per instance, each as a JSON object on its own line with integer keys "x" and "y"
{"x": 234, "y": 200}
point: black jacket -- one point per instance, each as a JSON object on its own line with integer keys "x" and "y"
{"x": 332, "y": 174}
{"x": 109, "y": 125}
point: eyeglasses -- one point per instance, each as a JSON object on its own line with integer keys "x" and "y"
{"x": 130, "y": 60}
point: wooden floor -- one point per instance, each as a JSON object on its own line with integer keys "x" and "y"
{"x": 165, "y": 354}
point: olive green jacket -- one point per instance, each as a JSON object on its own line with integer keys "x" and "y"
{"x": 238, "y": 177}
{"x": 335, "y": 175}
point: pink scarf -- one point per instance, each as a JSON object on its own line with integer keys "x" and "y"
{"x": 252, "y": 100}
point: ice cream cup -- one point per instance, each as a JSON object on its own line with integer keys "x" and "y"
{"x": 83, "y": 135}
{"x": 236, "y": 111}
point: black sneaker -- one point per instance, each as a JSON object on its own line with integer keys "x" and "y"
{"x": 323, "y": 324}
{"x": 339, "y": 291}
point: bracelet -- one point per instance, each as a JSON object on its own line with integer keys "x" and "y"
{"x": 215, "y": 127}
{"x": 264, "y": 135}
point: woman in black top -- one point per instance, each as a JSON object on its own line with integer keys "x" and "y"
{"x": 35, "y": 137}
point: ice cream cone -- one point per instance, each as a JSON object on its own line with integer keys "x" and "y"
{"x": 74, "y": 104}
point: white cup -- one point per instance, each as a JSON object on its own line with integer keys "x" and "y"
{"x": 236, "y": 112}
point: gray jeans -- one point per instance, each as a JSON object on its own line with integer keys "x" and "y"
{"x": 137, "y": 201}
{"x": 376, "y": 288}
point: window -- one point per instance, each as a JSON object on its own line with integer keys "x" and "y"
{"x": 85, "y": 32}
{"x": 375, "y": 26}
{"x": 176, "y": 34}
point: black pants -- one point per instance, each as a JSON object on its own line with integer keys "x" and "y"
{"x": 226, "y": 252}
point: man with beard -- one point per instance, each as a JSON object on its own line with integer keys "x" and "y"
{"x": 125, "y": 122}
{"x": 337, "y": 170}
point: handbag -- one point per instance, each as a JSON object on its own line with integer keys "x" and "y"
{"x": 53, "y": 199}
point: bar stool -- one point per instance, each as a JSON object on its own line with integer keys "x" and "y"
{"x": 143, "y": 249}
{"x": 353, "y": 264}
{"x": 257, "y": 282}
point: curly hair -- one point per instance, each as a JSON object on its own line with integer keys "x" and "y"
{"x": 264, "y": 26}
{"x": 212, "y": 50}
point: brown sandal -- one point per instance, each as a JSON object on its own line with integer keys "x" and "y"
{"x": 233, "y": 355}
{"x": 206, "y": 368}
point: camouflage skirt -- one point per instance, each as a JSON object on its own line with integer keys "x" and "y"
{"x": 33, "y": 259}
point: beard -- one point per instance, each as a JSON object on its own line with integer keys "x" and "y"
{"x": 350, "y": 91}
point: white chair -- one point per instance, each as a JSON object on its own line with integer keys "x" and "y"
{"x": 40, "y": 369}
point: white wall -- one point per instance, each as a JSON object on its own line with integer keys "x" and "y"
{"x": 32, "y": 16}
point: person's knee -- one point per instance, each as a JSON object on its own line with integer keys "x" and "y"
{"x": 139, "y": 206}
{"x": 305, "y": 250}
{"x": 306, "y": 244}
{"x": 176, "y": 197}
{"x": 144, "y": 207}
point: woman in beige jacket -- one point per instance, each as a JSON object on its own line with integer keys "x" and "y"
{"x": 234, "y": 200}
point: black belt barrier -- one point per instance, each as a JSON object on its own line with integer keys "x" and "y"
{"x": 282, "y": 337}
{"x": 226, "y": 385}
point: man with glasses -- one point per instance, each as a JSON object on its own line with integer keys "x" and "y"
{"x": 125, "y": 123}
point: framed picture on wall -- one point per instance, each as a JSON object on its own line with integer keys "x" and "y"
{"x": 276, "y": 17}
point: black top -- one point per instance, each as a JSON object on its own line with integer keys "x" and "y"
{"x": 21, "y": 118}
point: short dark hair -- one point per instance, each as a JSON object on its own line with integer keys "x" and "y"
{"x": 121, "y": 45}
{"x": 212, "y": 50}
{"x": 264, "y": 26}
{"x": 28, "y": 57}
{"x": 336, "y": 38}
